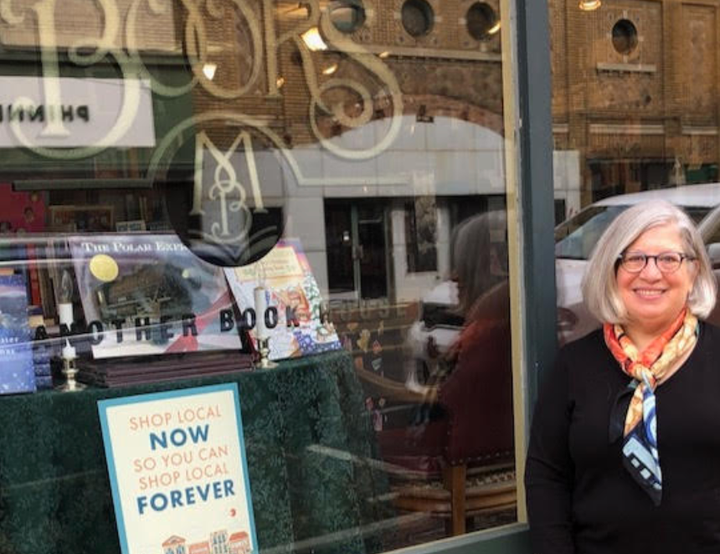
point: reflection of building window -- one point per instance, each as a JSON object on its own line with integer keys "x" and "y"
{"x": 347, "y": 15}
{"x": 482, "y": 21}
{"x": 624, "y": 37}
{"x": 421, "y": 234}
{"x": 417, "y": 17}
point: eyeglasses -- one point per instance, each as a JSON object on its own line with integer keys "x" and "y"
{"x": 666, "y": 262}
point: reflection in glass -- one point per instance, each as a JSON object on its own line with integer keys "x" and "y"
{"x": 230, "y": 172}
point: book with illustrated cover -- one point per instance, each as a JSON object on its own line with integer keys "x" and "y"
{"x": 146, "y": 294}
{"x": 288, "y": 284}
{"x": 17, "y": 371}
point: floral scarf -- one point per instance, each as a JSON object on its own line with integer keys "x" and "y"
{"x": 647, "y": 369}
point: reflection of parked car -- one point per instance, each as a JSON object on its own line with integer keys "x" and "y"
{"x": 439, "y": 325}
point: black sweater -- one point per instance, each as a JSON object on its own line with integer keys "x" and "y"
{"x": 581, "y": 499}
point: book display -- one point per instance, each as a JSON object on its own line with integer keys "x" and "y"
{"x": 283, "y": 280}
{"x": 147, "y": 295}
{"x": 153, "y": 311}
{"x": 141, "y": 308}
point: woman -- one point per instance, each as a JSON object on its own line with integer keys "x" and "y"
{"x": 604, "y": 473}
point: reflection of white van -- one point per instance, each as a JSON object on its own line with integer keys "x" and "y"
{"x": 574, "y": 240}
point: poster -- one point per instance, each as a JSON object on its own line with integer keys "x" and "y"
{"x": 178, "y": 471}
{"x": 148, "y": 294}
{"x": 291, "y": 288}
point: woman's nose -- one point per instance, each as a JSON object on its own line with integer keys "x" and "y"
{"x": 651, "y": 270}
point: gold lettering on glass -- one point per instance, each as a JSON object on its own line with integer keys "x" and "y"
{"x": 226, "y": 188}
{"x": 123, "y": 42}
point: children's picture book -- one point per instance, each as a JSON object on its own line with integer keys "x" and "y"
{"x": 146, "y": 294}
{"x": 284, "y": 280}
{"x": 17, "y": 371}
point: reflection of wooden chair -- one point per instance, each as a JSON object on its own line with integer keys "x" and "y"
{"x": 461, "y": 464}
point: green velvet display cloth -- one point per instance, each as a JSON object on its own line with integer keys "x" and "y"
{"x": 307, "y": 436}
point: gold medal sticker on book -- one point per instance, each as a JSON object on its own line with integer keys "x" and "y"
{"x": 104, "y": 268}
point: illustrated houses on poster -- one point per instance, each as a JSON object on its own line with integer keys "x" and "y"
{"x": 284, "y": 280}
{"x": 237, "y": 543}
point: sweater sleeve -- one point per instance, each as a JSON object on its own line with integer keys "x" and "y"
{"x": 549, "y": 470}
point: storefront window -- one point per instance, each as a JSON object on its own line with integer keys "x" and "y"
{"x": 306, "y": 201}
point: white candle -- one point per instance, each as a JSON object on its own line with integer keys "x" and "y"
{"x": 260, "y": 307}
{"x": 68, "y": 351}
{"x": 65, "y": 313}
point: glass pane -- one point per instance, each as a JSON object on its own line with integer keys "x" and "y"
{"x": 306, "y": 200}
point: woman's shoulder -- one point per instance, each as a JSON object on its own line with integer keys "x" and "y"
{"x": 592, "y": 342}
{"x": 710, "y": 328}
{"x": 710, "y": 335}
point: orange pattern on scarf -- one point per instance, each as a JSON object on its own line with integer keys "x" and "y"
{"x": 654, "y": 362}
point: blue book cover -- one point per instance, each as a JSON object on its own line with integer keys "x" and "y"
{"x": 17, "y": 373}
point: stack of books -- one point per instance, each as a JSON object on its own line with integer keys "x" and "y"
{"x": 41, "y": 350}
{"x": 137, "y": 370}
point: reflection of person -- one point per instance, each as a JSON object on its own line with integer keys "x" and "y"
{"x": 472, "y": 383}
{"x": 625, "y": 450}
{"x": 475, "y": 260}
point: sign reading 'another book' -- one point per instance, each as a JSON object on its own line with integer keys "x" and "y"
{"x": 178, "y": 471}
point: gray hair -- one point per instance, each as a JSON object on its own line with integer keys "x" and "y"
{"x": 599, "y": 285}
{"x": 470, "y": 256}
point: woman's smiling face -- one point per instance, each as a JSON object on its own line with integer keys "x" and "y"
{"x": 654, "y": 299}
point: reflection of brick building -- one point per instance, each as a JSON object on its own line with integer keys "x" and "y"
{"x": 635, "y": 92}
{"x": 434, "y": 65}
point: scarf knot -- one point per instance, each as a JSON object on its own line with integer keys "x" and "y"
{"x": 643, "y": 375}
{"x": 647, "y": 369}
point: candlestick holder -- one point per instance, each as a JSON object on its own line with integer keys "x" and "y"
{"x": 70, "y": 370}
{"x": 264, "y": 349}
